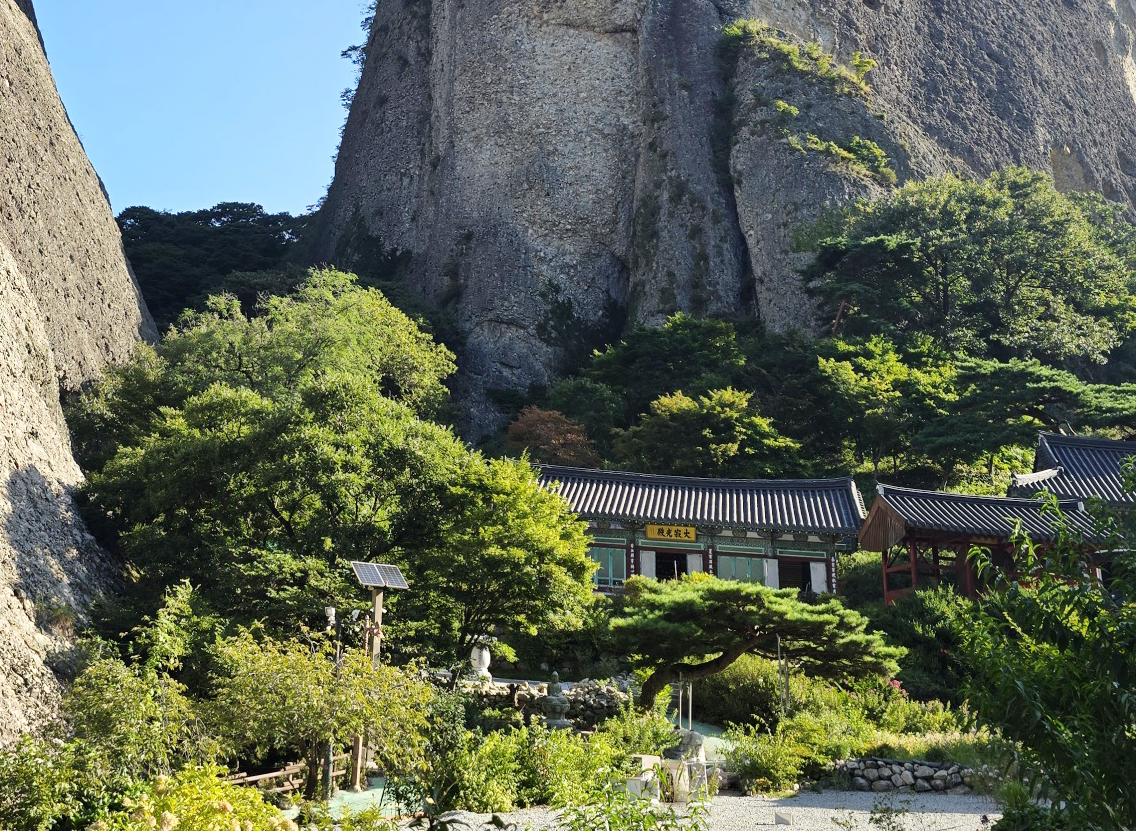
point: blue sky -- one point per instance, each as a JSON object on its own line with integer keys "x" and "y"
{"x": 181, "y": 105}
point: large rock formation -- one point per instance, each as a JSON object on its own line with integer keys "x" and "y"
{"x": 68, "y": 307}
{"x": 552, "y": 167}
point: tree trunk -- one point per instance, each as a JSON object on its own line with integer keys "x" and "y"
{"x": 313, "y": 759}
{"x": 689, "y": 672}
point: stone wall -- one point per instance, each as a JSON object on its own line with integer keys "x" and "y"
{"x": 890, "y": 775}
{"x": 590, "y": 702}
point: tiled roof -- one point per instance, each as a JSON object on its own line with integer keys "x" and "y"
{"x": 1077, "y": 468}
{"x": 975, "y": 516}
{"x": 826, "y": 506}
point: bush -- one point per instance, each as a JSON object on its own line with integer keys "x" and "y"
{"x": 924, "y": 623}
{"x": 632, "y": 731}
{"x": 560, "y": 768}
{"x": 746, "y": 692}
{"x": 489, "y": 772}
{"x": 763, "y": 761}
{"x": 826, "y": 737}
{"x": 859, "y": 578}
{"x": 196, "y": 798}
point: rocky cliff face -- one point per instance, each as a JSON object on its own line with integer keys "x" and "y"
{"x": 68, "y": 307}
{"x": 552, "y": 168}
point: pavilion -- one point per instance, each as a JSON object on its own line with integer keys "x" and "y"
{"x": 925, "y": 537}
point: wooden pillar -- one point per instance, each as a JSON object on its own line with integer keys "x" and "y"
{"x": 913, "y": 552}
{"x": 887, "y": 589}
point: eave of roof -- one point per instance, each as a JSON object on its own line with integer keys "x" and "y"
{"x": 933, "y": 513}
{"x": 820, "y": 506}
{"x": 1087, "y": 468}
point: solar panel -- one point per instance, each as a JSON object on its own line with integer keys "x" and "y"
{"x": 379, "y": 576}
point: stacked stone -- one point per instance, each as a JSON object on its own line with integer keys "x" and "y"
{"x": 590, "y": 702}
{"x": 890, "y": 775}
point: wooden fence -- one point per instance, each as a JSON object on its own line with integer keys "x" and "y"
{"x": 291, "y": 778}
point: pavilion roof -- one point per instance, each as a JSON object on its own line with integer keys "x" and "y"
{"x": 821, "y": 506}
{"x": 899, "y": 513}
{"x": 1077, "y": 467}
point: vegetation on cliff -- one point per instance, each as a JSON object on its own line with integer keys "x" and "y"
{"x": 962, "y": 317}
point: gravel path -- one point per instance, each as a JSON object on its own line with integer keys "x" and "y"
{"x": 815, "y": 812}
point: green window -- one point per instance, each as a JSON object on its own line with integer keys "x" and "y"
{"x": 613, "y": 566}
{"x": 743, "y": 569}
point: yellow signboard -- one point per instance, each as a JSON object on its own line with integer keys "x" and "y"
{"x": 685, "y": 533}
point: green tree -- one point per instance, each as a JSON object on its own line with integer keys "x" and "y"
{"x": 180, "y": 258}
{"x": 698, "y": 626}
{"x": 718, "y": 434}
{"x": 329, "y": 326}
{"x": 292, "y": 696}
{"x": 504, "y": 556}
{"x": 1007, "y": 267}
{"x": 685, "y": 353}
{"x": 257, "y": 457}
{"x": 1053, "y": 663}
{"x": 883, "y": 396}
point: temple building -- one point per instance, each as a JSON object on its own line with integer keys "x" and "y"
{"x": 925, "y": 537}
{"x": 1073, "y": 467}
{"x": 780, "y": 533}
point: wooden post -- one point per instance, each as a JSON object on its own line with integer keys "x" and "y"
{"x": 357, "y": 764}
{"x": 913, "y": 552}
{"x": 887, "y": 597}
{"x": 377, "y": 623}
{"x": 358, "y": 752}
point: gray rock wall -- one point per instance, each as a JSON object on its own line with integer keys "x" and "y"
{"x": 68, "y": 307}
{"x": 554, "y": 167}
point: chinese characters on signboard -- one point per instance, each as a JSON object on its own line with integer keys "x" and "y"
{"x": 684, "y": 533}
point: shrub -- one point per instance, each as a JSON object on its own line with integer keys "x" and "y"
{"x": 746, "y": 692}
{"x": 196, "y": 798}
{"x": 826, "y": 737}
{"x": 763, "y": 761}
{"x": 489, "y": 772}
{"x": 614, "y": 809}
{"x": 633, "y": 731}
{"x": 559, "y": 768}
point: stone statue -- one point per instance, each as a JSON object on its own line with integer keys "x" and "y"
{"x": 555, "y": 706}
{"x": 689, "y": 747}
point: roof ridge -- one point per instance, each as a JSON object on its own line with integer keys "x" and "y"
{"x": 1036, "y": 476}
{"x": 976, "y": 497}
{"x": 695, "y": 480}
{"x": 1100, "y": 441}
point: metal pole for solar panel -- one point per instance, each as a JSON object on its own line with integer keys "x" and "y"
{"x": 377, "y": 631}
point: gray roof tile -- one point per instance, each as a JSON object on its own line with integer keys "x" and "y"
{"x": 824, "y": 506}
{"x": 986, "y": 516}
{"x": 1078, "y": 467}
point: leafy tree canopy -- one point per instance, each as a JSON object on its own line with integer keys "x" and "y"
{"x": 256, "y": 457}
{"x": 291, "y": 696}
{"x": 180, "y": 258}
{"x": 549, "y": 437}
{"x": 1053, "y": 663}
{"x": 1003, "y": 268}
{"x": 718, "y": 434}
{"x": 699, "y": 625}
{"x": 685, "y": 353}
{"x": 328, "y": 327}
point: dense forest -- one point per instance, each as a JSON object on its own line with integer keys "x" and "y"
{"x": 955, "y": 319}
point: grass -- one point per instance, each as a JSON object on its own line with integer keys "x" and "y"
{"x": 806, "y": 59}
